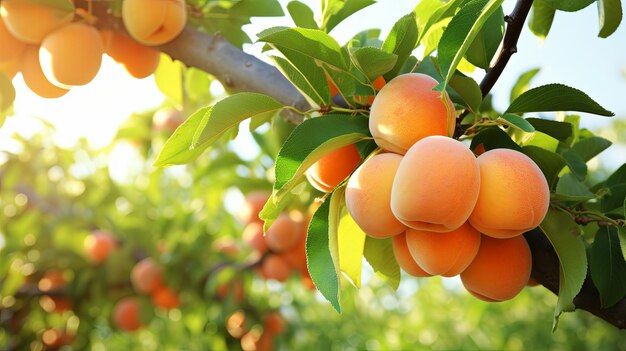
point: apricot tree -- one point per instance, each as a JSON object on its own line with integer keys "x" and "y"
{"x": 427, "y": 170}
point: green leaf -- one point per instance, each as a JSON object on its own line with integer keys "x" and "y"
{"x": 169, "y": 79}
{"x": 309, "y": 42}
{"x": 309, "y": 142}
{"x": 7, "y": 93}
{"x": 568, "y": 5}
{"x": 231, "y": 111}
{"x": 622, "y": 236}
{"x": 321, "y": 246}
{"x": 541, "y": 18}
{"x": 518, "y": 122}
{"x": 564, "y": 235}
{"x": 549, "y": 162}
{"x": 468, "y": 90}
{"x": 374, "y": 62}
{"x": 255, "y": 8}
{"x": 351, "y": 242}
{"x": 558, "y": 130}
{"x": 302, "y": 15}
{"x": 556, "y": 97}
{"x": 197, "y": 84}
{"x": 576, "y": 164}
{"x": 431, "y": 38}
{"x": 368, "y": 37}
{"x": 618, "y": 177}
{"x": 608, "y": 267}
{"x": 178, "y": 148}
{"x": 460, "y": 33}
{"x": 523, "y": 83}
{"x": 379, "y": 254}
{"x": 494, "y": 138}
{"x": 615, "y": 198}
{"x": 306, "y": 76}
{"x": 487, "y": 41}
{"x": 401, "y": 41}
{"x": 571, "y": 189}
{"x": 335, "y": 11}
{"x": 609, "y": 16}
{"x": 589, "y": 148}
{"x": 430, "y": 12}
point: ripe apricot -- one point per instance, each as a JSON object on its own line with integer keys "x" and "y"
{"x": 34, "y": 78}
{"x": 283, "y": 234}
{"x": 236, "y": 324}
{"x": 12, "y": 48}
{"x": 54, "y": 338}
{"x": 275, "y": 267}
{"x": 30, "y": 22}
{"x": 253, "y": 205}
{"x": 253, "y": 236}
{"x": 167, "y": 119}
{"x": 296, "y": 256}
{"x": 99, "y": 245}
{"x": 273, "y": 323}
{"x": 404, "y": 258}
{"x": 514, "y": 194}
{"x": 154, "y": 22}
{"x": 125, "y": 314}
{"x": 407, "y": 109}
{"x": 446, "y": 254}
{"x": 226, "y": 245}
{"x": 436, "y": 185}
{"x": 147, "y": 276}
{"x": 165, "y": 298}
{"x": 333, "y": 168}
{"x": 55, "y": 302}
{"x": 71, "y": 55}
{"x": 500, "y": 270}
{"x": 140, "y": 61}
{"x": 368, "y": 196}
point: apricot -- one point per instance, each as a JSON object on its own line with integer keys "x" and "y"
{"x": 54, "y": 338}
{"x": 53, "y": 280}
{"x": 226, "y": 245}
{"x": 500, "y": 270}
{"x": 34, "y": 78}
{"x": 253, "y": 236}
{"x": 368, "y": 196}
{"x": 140, "y": 61}
{"x": 514, "y": 194}
{"x": 99, "y": 245}
{"x": 283, "y": 234}
{"x": 154, "y": 22}
{"x": 404, "y": 258}
{"x": 236, "y": 324}
{"x": 147, "y": 276}
{"x": 12, "y": 48}
{"x": 296, "y": 256}
{"x": 167, "y": 119}
{"x": 30, "y": 22}
{"x": 275, "y": 267}
{"x": 407, "y": 110}
{"x": 253, "y": 205}
{"x": 436, "y": 185}
{"x": 165, "y": 298}
{"x": 273, "y": 323}
{"x": 447, "y": 254}
{"x": 333, "y": 168}
{"x": 71, "y": 55}
{"x": 125, "y": 314}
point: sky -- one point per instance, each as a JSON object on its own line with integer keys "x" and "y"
{"x": 572, "y": 54}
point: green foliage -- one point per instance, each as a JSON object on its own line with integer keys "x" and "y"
{"x": 335, "y": 11}
{"x": 302, "y": 15}
{"x": 487, "y": 41}
{"x": 541, "y": 18}
{"x": 556, "y": 97}
{"x": 377, "y": 253}
{"x": 608, "y": 266}
{"x": 609, "y": 16}
{"x": 401, "y": 41}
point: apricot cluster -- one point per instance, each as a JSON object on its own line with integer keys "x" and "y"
{"x": 54, "y": 52}
{"x": 282, "y": 247}
{"x": 449, "y": 212}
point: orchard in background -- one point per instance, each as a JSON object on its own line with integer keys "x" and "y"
{"x": 377, "y": 156}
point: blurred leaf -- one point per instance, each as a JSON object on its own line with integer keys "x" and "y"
{"x": 609, "y": 16}
{"x": 569, "y": 5}
{"x": 321, "y": 249}
{"x": 487, "y": 41}
{"x": 523, "y": 83}
{"x": 549, "y": 162}
{"x": 564, "y": 235}
{"x": 335, "y": 11}
{"x": 622, "y": 236}
{"x": 518, "y": 122}
{"x": 468, "y": 90}
{"x": 302, "y": 15}
{"x": 374, "y": 62}
{"x": 571, "y": 189}
{"x": 368, "y": 37}
{"x": 66, "y": 5}
{"x": 608, "y": 267}
{"x": 169, "y": 79}
{"x": 589, "y": 148}
{"x": 379, "y": 254}
{"x": 556, "y": 97}
{"x": 460, "y": 33}
{"x": 309, "y": 42}
{"x": 7, "y": 96}
{"x": 197, "y": 84}
{"x": 401, "y": 41}
{"x": 255, "y": 8}
{"x": 309, "y": 142}
{"x": 178, "y": 148}
{"x": 558, "y": 130}
{"x": 351, "y": 242}
{"x": 229, "y": 112}
{"x": 541, "y": 18}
